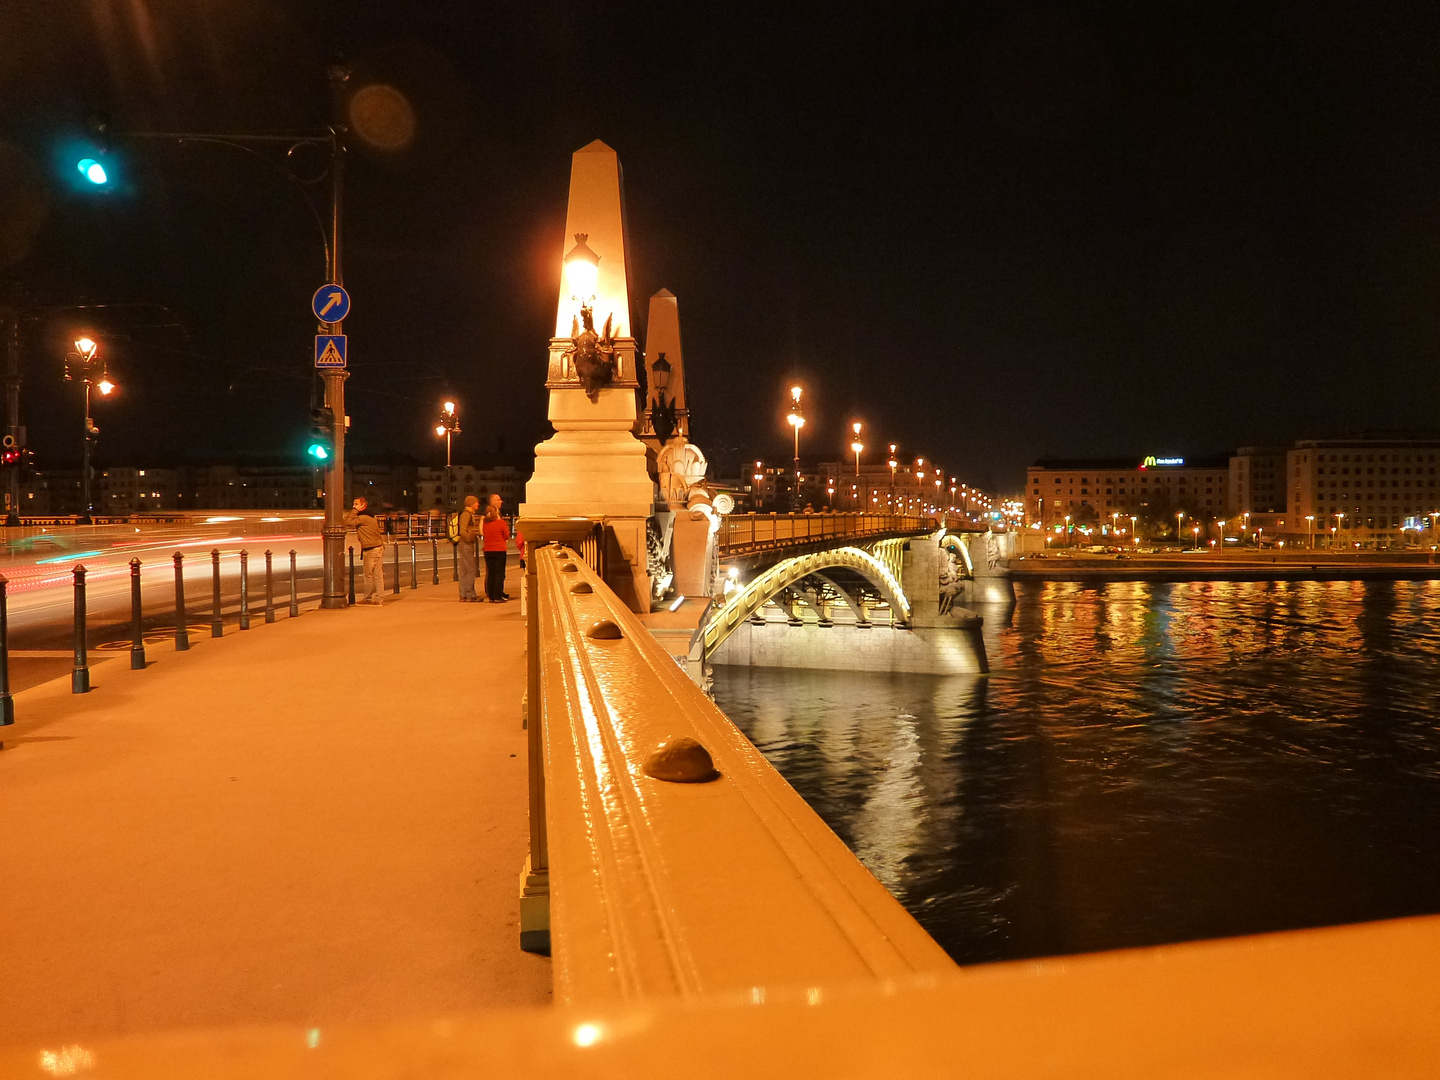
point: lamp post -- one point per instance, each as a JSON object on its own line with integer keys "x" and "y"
{"x": 856, "y": 446}
{"x": 83, "y": 364}
{"x": 796, "y": 420}
{"x": 448, "y": 425}
{"x": 663, "y": 419}
{"x": 1134, "y": 535}
{"x": 1179, "y": 520}
{"x": 893, "y": 463}
{"x": 1310, "y": 528}
{"x": 1067, "y": 530}
{"x": 1335, "y": 532}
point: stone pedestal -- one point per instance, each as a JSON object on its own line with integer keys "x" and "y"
{"x": 593, "y": 466}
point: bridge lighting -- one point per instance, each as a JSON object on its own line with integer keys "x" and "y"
{"x": 105, "y": 386}
{"x": 795, "y": 393}
{"x": 86, "y": 347}
{"x": 582, "y": 270}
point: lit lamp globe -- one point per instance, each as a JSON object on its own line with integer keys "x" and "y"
{"x": 86, "y": 347}
{"x": 440, "y": 429}
{"x": 105, "y": 386}
{"x": 582, "y": 269}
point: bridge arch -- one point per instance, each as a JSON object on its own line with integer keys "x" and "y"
{"x": 879, "y": 563}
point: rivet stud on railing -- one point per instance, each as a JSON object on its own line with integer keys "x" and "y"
{"x": 582, "y": 587}
{"x": 681, "y": 760}
{"x": 604, "y": 630}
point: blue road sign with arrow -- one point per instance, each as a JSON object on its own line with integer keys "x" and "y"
{"x": 330, "y": 350}
{"x": 331, "y": 303}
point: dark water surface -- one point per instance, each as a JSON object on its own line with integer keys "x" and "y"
{"x": 1146, "y": 763}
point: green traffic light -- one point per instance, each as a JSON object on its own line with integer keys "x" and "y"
{"x": 319, "y": 452}
{"x": 93, "y": 171}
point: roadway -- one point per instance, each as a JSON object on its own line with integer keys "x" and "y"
{"x": 38, "y": 568}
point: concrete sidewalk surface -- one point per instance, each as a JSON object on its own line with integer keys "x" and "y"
{"x": 316, "y": 821}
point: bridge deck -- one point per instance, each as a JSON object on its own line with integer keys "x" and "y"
{"x": 312, "y": 822}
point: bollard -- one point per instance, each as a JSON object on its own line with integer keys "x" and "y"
{"x": 396, "y": 560}
{"x": 414, "y": 570}
{"x": 182, "y": 632}
{"x": 244, "y": 589}
{"x": 7, "y": 704}
{"x": 217, "y": 623}
{"x": 351, "y": 598}
{"x": 80, "y": 676}
{"x": 137, "y": 630}
{"x": 454, "y": 561}
{"x": 294, "y": 596}
{"x": 434, "y": 561}
{"x": 269, "y": 590}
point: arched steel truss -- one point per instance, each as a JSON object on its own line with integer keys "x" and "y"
{"x": 879, "y": 563}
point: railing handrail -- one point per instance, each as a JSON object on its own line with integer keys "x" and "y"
{"x": 661, "y": 889}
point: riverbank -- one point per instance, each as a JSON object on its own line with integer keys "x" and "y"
{"x": 1205, "y": 566}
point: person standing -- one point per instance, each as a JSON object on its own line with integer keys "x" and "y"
{"x": 497, "y": 542}
{"x": 468, "y": 530}
{"x": 372, "y": 549}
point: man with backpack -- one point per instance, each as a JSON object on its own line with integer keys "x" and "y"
{"x": 467, "y": 532}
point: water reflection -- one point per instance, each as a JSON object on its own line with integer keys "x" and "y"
{"x": 1145, "y": 763}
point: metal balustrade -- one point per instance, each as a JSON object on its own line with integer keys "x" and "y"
{"x": 741, "y": 534}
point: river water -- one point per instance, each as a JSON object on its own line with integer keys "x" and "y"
{"x": 1145, "y": 763}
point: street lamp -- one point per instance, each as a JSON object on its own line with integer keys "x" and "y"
{"x": 84, "y": 364}
{"x": 1067, "y": 530}
{"x": 856, "y": 446}
{"x": 796, "y": 420}
{"x": 448, "y": 425}
{"x": 1179, "y": 519}
{"x": 1134, "y": 536}
{"x": 1310, "y": 528}
{"x": 893, "y": 463}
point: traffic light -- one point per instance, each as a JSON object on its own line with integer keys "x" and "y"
{"x": 321, "y": 446}
{"x": 91, "y": 156}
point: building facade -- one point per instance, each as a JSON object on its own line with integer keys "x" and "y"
{"x": 1100, "y": 491}
{"x": 1257, "y": 481}
{"x": 1365, "y": 491}
{"x": 444, "y": 490}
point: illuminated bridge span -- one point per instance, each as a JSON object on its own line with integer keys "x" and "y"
{"x": 869, "y": 591}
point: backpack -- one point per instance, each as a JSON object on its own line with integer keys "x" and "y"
{"x": 452, "y": 527}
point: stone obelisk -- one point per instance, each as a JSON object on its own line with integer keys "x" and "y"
{"x": 594, "y": 466}
{"x": 662, "y": 339}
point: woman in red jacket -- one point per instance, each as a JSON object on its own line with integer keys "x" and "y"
{"x": 497, "y": 540}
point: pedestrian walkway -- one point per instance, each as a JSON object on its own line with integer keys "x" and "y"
{"x": 312, "y": 822}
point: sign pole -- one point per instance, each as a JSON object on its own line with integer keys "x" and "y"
{"x": 333, "y": 533}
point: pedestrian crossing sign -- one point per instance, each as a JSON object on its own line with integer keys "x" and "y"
{"x": 330, "y": 350}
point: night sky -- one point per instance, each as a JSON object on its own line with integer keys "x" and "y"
{"x": 992, "y": 232}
